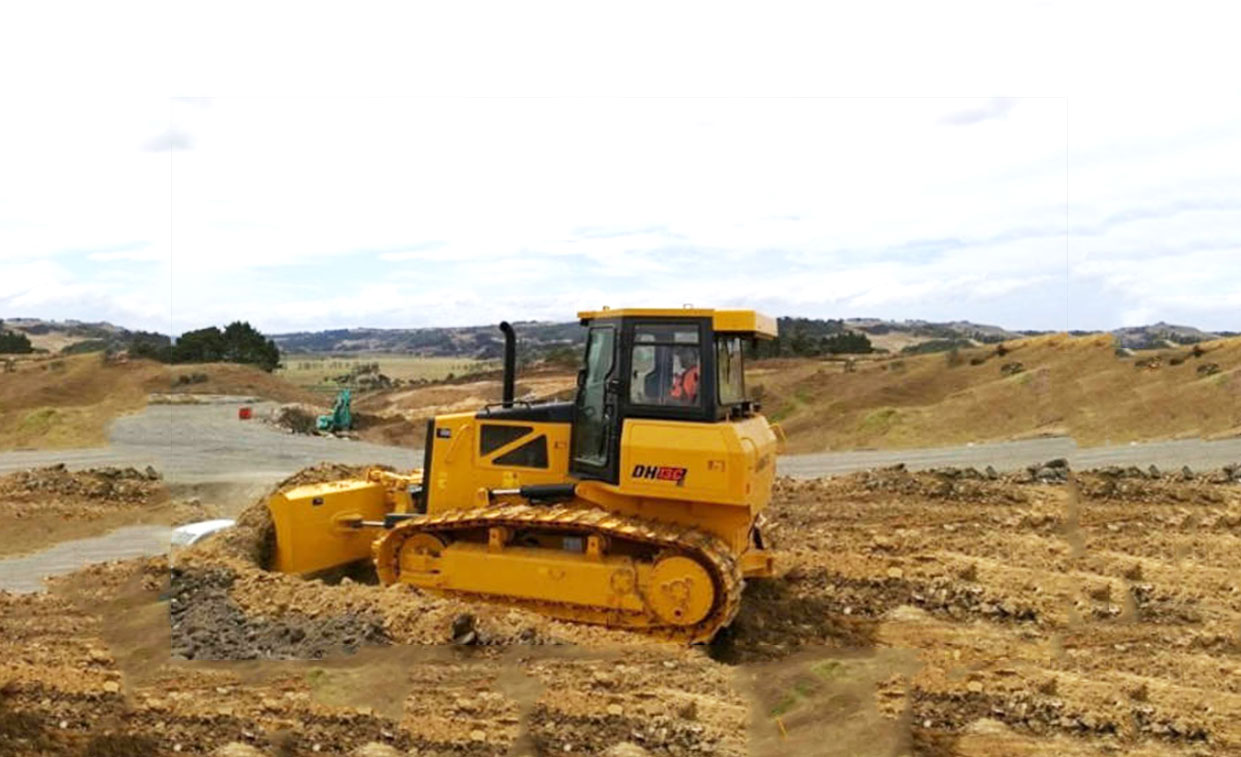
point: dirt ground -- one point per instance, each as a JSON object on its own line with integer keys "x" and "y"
{"x": 45, "y": 506}
{"x": 946, "y": 612}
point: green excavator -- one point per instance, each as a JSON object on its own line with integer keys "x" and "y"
{"x": 341, "y": 417}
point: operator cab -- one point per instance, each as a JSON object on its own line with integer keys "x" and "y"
{"x": 677, "y": 365}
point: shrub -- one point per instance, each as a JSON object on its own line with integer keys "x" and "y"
{"x": 14, "y": 343}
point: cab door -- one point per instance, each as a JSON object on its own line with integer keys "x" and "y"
{"x": 595, "y": 427}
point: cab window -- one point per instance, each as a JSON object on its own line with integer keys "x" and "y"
{"x": 729, "y": 368}
{"x": 590, "y": 440}
{"x": 665, "y": 366}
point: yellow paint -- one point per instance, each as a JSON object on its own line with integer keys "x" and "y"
{"x": 533, "y": 573}
{"x": 729, "y": 321}
{"x": 309, "y": 521}
{"x": 314, "y": 523}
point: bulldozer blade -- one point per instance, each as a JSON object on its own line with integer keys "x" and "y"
{"x": 317, "y": 526}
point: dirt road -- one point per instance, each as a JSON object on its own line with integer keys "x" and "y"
{"x": 26, "y": 573}
{"x": 195, "y": 444}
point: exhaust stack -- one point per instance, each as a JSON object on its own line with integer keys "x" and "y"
{"x": 510, "y": 361}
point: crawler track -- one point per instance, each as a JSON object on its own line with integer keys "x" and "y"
{"x": 705, "y": 549}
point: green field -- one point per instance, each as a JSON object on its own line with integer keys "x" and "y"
{"x": 321, "y": 372}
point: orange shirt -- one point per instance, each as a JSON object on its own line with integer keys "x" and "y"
{"x": 686, "y": 385}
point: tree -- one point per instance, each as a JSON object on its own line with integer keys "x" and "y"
{"x": 199, "y": 346}
{"x": 244, "y": 344}
{"x": 239, "y": 342}
{"x": 14, "y": 342}
{"x": 848, "y": 342}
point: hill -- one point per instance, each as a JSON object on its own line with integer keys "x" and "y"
{"x": 1046, "y": 385}
{"x": 1162, "y": 334}
{"x": 479, "y": 342}
{"x": 68, "y": 402}
{"x": 74, "y": 337}
{"x": 61, "y": 402}
{"x": 538, "y": 339}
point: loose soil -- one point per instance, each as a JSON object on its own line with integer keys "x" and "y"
{"x": 946, "y": 612}
{"x": 45, "y": 506}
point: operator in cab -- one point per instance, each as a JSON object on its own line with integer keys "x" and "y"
{"x": 685, "y": 385}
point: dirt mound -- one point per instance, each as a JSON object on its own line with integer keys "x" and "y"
{"x": 1155, "y": 486}
{"x": 99, "y": 485}
{"x": 295, "y": 418}
{"x": 44, "y": 506}
{"x": 966, "y": 484}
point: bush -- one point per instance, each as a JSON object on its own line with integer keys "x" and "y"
{"x": 850, "y": 342}
{"x": 239, "y": 342}
{"x": 935, "y": 345}
{"x": 14, "y": 343}
{"x": 85, "y": 346}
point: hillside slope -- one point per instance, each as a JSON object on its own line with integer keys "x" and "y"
{"x": 68, "y": 402}
{"x": 1046, "y": 385}
{"x": 62, "y": 402}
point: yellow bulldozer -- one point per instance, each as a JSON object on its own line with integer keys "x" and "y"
{"x": 636, "y": 505}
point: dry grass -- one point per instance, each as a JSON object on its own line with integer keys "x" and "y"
{"x": 1067, "y": 385}
{"x": 317, "y": 372}
{"x": 231, "y": 378}
{"x": 54, "y": 403}
{"x": 66, "y": 402}
{"x": 1113, "y": 400}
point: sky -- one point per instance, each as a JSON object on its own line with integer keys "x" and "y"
{"x": 403, "y": 166}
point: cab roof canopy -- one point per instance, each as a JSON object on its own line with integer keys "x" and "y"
{"x": 748, "y": 322}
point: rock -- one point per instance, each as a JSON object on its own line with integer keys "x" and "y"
{"x": 974, "y": 686}
{"x": 477, "y": 735}
{"x": 988, "y": 726}
{"x": 464, "y": 631}
{"x": 895, "y": 573}
{"x": 111, "y": 687}
{"x": 626, "y": 749}
{"x": 1153, "y": 472}
{"x": 615, "y": 709}
{"x": 236, "y": 749}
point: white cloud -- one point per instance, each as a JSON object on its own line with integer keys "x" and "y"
{"x": 316, "y": 193}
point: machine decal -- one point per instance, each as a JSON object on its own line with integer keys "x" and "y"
{"x": 443, "y": 433}
{"x": 660, "y": 473}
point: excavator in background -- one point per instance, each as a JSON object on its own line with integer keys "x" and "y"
{"x": 637, "y": 505}
{"x": 341, "y": 417}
